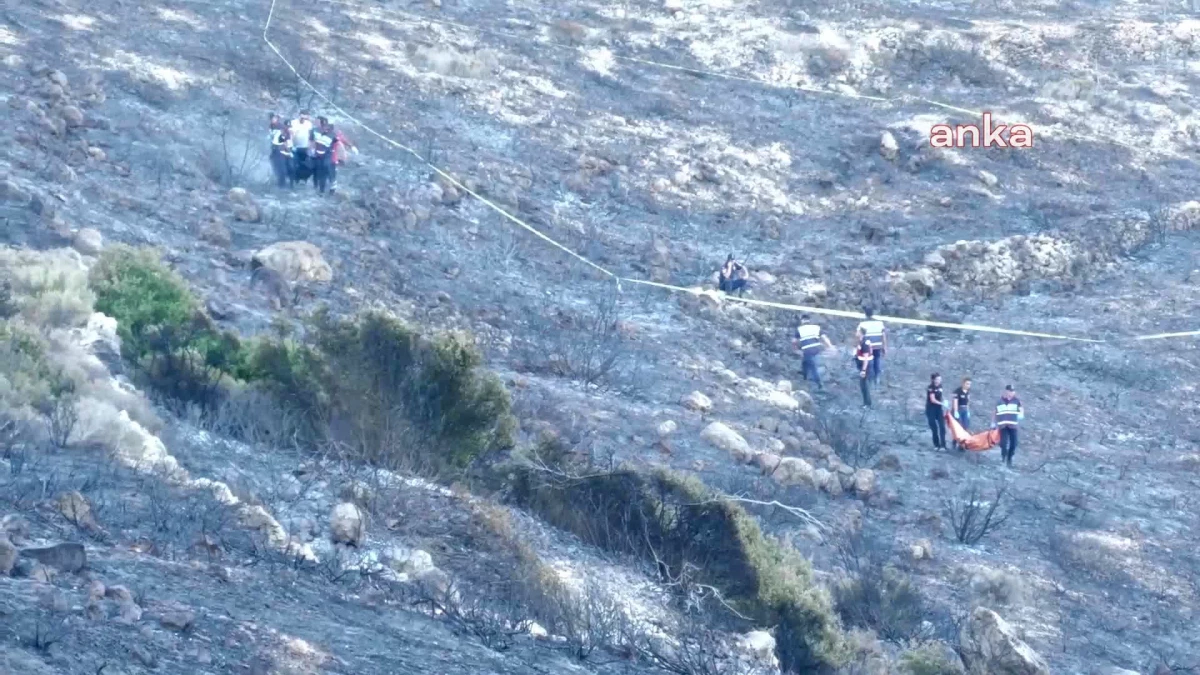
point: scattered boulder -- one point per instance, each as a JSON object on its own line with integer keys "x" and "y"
{"x": 988, "y": 178}
{"x": 794, "y": 471}
{"x": 8, "y": 556}
{"x": 697, "y": 402}
{"x": 889, "y": 462}
{"x": 411, "y": 561}
{"x": 667, "y": 428}
{"x": 176, "y": 617}
{"x": 992, "y": 646}
{"x": 72, "y": 116}
{"x": 721, "y": 436}
{"x": 294, "y": 261}
{"x": 216, "y": 233}
{"x": 888, "y": 147}
{"x": 922, "y": 549}
{"x": 15, "y": 527}
{"x": 88, "y": 242}
{"x": 759, "y": 645}
{"x": 863, "y": 481}
{"x": 434, "y": 580}
{"x": 347, "y": 525}
{"x": 75, "y": 508}
{"x": 767, "y": 462}
{"x": 358, "y": 493}
{"x": 69, "y": 557}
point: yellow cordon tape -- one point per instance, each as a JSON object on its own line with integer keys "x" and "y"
{"x": 653, "y": 284}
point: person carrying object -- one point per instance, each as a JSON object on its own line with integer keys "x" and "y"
{"x": 281, "y": 152}
{"x": 935, "y": 410}
{"x": 1007, "y": 417}
{"x": 301, "y": 130}
{"x": 732, "y": 277}
{"x": 321, "y": 154}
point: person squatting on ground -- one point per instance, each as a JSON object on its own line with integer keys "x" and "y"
{"x": 935, "y": 410}
{"x": 1008, "y": 415}
{"x": 732, "y": 277}
{"x": 875, "y": 333}
{"x": 810, "y": 342}
{"x": 281, "y": 153}
{"x": 862, "y": 360}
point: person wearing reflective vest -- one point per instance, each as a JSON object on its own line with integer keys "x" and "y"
{"x": 1007, "y": 417}
{"x": 810, "y": 341}
{"x": 873, "y": 331}
{"x": 281, "y": 151}
{"x": 862, "y": 360}
{"x": 321, "y": 153}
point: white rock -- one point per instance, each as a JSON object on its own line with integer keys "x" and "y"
{"x": 88, "y": 242}
{"x": 667, "y": 428}
{"x": 992, "y": 643}
{"x": 988, "y": 178}
{"x": 888, "y": 147}
{"x": 793, "y": 471}
{"x": 721, "y": 436}
{"x": 294, "y": 261}
{"x": 347, "y": 525}
{"x": 411, "y": 561}
{"x": 760, "y": 644}
{"x": 698, "y": 402}
{"x": 864, "y": 482}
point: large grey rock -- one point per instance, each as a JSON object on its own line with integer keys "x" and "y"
{"x": 294, "y": 261}
{"x": 991, "y": 647}
{"x": 347, "y": 525}
{"x": 721, "y": 436}
{"x": 8, "y": 556}
{"x": 68, "y": 557}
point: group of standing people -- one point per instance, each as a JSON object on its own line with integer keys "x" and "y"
{"x": 869, "y": 348}
{"x": 1006, "y": 417}
{"x": 301, "y": 150}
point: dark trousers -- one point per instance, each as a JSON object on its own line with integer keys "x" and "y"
{"x": 731, "y": 285}
{"x": 322, "y": 172}
{"x": 809, "y": 369}
{"x": 332, "y": 175}
{"x": 863, "y": 384}
{"x": 281, "y": 165}
{"x": 1008, "y": 443}
{"x": 937, "y": 424}
{"x": 876, "y": 364}
{"x": 300, "y": 163}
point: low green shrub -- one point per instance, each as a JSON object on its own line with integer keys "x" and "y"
{"x": 371, "y": 385}
{"x": 680, "y": 524}
{"x": 391, "y": 395}
{"x": 163, "y": 330}
{"x": 929, "y": 659}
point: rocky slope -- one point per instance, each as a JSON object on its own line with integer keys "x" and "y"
{"x": 132, "y": 124}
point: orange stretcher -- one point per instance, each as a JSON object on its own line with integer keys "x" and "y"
{"x": 980, "y": 442}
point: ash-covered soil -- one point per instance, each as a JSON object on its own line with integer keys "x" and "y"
{"x": 555, "y": 114}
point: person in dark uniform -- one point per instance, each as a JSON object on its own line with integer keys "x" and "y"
{"x": 1007, "y": 417}
{"x": 862, "y": 360}
{"x": 935, "y": 408}
{"x": 321, "y": 154}
{"x": 875, "y": 333}
{"x": 281, "y": 151}
{"x": 961, "y": 403}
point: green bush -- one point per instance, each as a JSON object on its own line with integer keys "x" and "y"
{"x": 370, "y": 385}
{"x": 681, "y": 524}
{"x": 391, "y": 395}
{"x": 163, "y": 330}
{"x": 930, "y": 659}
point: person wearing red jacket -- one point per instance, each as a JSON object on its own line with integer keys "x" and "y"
{"x": 341, "y": 149}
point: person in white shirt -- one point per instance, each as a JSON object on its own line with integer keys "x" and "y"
{"x": 875, "y": 334}
{"x": 301, "y": 132}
